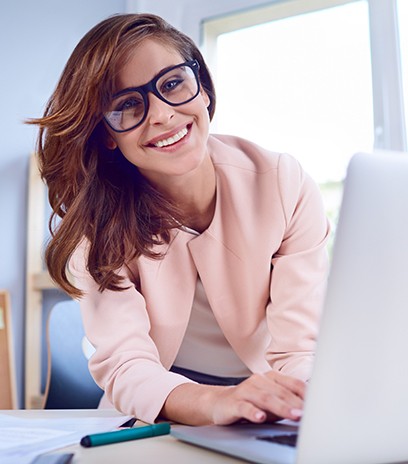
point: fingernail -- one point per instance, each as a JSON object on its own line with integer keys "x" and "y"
{"x": 296, "y": 412}
{"x": 260, "y": 415}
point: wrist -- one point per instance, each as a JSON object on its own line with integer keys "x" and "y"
{"x": 192, "y": 404}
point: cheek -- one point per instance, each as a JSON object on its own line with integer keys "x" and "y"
{"x": 133, "y": 156}
{"x": 127, "y": 141}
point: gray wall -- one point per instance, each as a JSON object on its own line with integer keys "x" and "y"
{"x": 36, "y": 39}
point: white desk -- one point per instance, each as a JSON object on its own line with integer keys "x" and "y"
{"x": 157, "y": 450}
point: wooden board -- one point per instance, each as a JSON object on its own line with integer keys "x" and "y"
{"x": 7, "y": 372}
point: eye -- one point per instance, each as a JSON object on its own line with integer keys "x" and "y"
{"x": 171, "y": 84}
{"x": 131, "y": 102}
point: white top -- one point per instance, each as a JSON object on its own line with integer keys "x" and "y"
{"x": 205, "y": 348}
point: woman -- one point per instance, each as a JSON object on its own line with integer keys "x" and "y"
{"x": 199, "y": 260}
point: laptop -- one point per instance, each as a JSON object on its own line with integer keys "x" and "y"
{"x": 356, "y": 406}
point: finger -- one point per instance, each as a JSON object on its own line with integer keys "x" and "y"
{"x": 258, "y": 398}
{"x": 238, "y": 410}
{"x": 295, "y": 416}
{"x": 295, "y": 385}
{"x": 285, "y": 405}
{"x": 267, "y": 391}
{"x": 268, "y": 395}
{"x": 250, "y": 412}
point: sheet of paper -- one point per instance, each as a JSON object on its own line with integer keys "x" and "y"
{"x": 18, "y": 436}
{"x": 21, "y": 440}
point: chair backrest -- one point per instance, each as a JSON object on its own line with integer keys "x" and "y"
{"x": 69, "y": 383}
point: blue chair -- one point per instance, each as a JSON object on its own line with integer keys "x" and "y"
{"x": 69, "y": 383}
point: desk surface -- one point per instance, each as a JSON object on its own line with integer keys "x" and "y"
{"x": 151, "y": 450}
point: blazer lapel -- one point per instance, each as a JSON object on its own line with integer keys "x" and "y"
{"x": 169, "y": 286}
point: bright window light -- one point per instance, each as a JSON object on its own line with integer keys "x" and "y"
{"x": 301, "y": 85}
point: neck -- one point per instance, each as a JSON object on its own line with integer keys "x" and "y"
{"x": 199, "y": 214}
{"x": 194, "y": 193}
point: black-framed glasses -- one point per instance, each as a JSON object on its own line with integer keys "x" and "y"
{"x": 175, "y": 86}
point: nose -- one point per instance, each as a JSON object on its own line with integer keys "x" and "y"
{"x": 159, "y": 111}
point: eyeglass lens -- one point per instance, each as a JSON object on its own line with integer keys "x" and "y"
{"x": 175, "y": 87}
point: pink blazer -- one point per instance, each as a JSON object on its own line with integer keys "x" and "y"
{"x": 263, "y": 264}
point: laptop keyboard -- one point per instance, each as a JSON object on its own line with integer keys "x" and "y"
{"x": 288, "y": 439}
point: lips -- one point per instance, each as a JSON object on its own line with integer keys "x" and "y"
{"x": 171, "y": 140}
{"x": 163, "y": 141}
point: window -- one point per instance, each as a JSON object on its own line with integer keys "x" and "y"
{"x": 300, "y": 84}
{"x": 314, "y": 78}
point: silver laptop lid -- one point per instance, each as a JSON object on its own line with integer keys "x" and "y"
{"x": 357, "y": 401}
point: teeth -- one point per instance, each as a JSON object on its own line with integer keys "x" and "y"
{"x": 171, "y": 140}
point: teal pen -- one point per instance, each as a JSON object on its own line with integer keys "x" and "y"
{"x": 118, "y": 436}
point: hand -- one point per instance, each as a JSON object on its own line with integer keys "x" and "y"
{"x": 262, "y": 397}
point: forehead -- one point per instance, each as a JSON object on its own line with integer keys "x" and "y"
{"x": 145, "y": 62}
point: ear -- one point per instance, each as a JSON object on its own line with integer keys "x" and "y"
{"x": 110, "y": 142}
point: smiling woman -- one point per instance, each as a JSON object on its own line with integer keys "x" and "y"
{"x": 171, "y": 104}
{"x": 199, "y": 260}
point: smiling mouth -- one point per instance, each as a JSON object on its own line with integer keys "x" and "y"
{"x": 172, "y": 140}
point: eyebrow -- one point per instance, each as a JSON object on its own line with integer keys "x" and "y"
{"x": 130, "y": 89}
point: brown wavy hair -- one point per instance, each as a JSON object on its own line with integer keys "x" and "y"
{"x": 98, "y": 194}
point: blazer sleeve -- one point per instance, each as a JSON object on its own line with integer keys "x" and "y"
{"x": 126, "y": 363}
{"x": 299, "y": 273}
